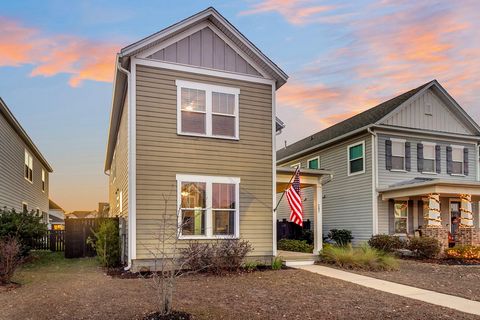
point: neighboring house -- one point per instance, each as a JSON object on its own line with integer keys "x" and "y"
{"x": 103, "y": 209}
{"x": 24, "y": 172}
{"x": 388, "y": 160}
{"x": 193, "y": 120}
{"x": 82, "y": 215}
{"x": 56, "y": 216}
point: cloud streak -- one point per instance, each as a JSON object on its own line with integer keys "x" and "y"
{"x": 83, "y": 59}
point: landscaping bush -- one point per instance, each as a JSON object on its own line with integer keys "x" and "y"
{"x": 386, "y": 242}
{"x": 24, "y": 226}
{"x": 197, "y": 256}
{"x": 10, "y": 258}
{"x": 341, "y": 236}
{"x": 107, "y": 244}
{"x": 277, "y": 263}
{"x": 424, "y": 247}
{"x": 360, "y": 258}
{"x": 294, "y": 245}
{"x": 463, "y": 252}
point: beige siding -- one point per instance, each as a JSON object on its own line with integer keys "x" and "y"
{"x": 120, "y": 161}
{"x": 161, "y": 154}
{"x": 14, "y": 188}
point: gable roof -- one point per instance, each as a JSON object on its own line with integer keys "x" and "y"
{"x": 53, "y": 206}
{"x": 23, "y": 134}
{"x": 362, "y": 121}
{"x": 81, "y": 214}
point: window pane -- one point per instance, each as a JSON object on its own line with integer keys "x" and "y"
{"x": 223, "y": 103}
{"x": 428, "y": 165}
{"x": 223, "y": 222}
{"x": 193, "y": 195}
{"x": 401, "y": 225}
{"x": 457, "y": 154}
{"x": 401, "y": 209}
{"x": 398, "y": 163}
{"x": 457, "y": 168}
{"x": 356, "y": 152}
{"x": 429, "y": 151}
{"x": 193, "y": 122}
{"x": 223, "y": 196}
{"x": 193, "y": 222}
{"x": 193, "y": 100}
{"x": 398, "y": 148}
{"x": 313, "y": 164}
{"x": 356, "y": 165}
{"x": 223, "y": 125}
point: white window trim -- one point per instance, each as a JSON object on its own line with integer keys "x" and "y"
{"x": 402, "y": 141}
{"x": 406, "y": 233}
{"x": 312, "y": 159}
{"x": 434, "y": 145}
{"x": 29, "y": 157}
{"x": 462, "y": 148}
{"x": 296, "y": 165}
{"x": 209, "y": 89}
{"x": 44, "y": 180}
{"x": 26, "y": 204}
{"x": 363, "y": 157}
{"x": 121, "y": 201}
{"x": 209, "y": 180}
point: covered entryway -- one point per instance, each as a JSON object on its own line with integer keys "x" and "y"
{"x": 309, "y": 178}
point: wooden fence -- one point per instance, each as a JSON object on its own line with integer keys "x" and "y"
{"x": 53, "y": 240}
{"x": 77, "y": 232}
{"x": 290, "y": 230}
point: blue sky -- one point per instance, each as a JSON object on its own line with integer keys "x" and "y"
{"x": 56, "y": 64}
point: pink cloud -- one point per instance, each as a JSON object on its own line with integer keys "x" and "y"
{"x": 83, "y": 59}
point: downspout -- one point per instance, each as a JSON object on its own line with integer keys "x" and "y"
{"x": 126, "y": 72}
{"x": 374, "y": 181}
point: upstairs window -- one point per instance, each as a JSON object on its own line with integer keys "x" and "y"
{"x": 28, "y": 168}
{"x": 398, "y": 155}
{"x": 44, "y": 180}
{"x": 429, "y": 158}
{"x": 314, "y": 163}
{"x": 457, "y": 160}
{"x": 356, "y": 158}
{"x": 207, "y": 110}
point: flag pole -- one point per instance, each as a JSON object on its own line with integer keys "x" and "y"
{"x": 283, "y": 193}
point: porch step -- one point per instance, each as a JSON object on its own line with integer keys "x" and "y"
{"x": 295, "y": 259}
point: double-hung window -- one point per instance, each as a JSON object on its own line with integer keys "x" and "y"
{"x": 398, "y": 154}
{"x": 207, "y": 110}
{"x": 429, "y": 157}
{"x": 28, "y": 167}
{"x": 458, "y": 160}
{"x": 44, "y": 180}
{"x": 208, "y": 206}
{"x": 356, "y": 158}
{"x": 313, "y": 163}
{"x": 401, "y": 217}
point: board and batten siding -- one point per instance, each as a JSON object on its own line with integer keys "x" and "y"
{"x": 347, "y": 200}
{"x": 387, "y": 178}
{"x": 14, "y": 188}
{"x": 161, "y": 154}
{"x": 120, "y": 161}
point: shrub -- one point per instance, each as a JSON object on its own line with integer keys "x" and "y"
{"x": 24, "y": 226}
{"x": 10, "y": 258}
{"x": 465, "y": 252}
{"x": 386, "y": 242}
{"x": 107, "y": 243}
{"x": 294, "y": 245}
{"x": 341, "y": 236}
{"x": 424, "y": 247}
{"x": 277, "y": 263}
{"x": 197, "y": 256}
{"x": 360, "y": 258}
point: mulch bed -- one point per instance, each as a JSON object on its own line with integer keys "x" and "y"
{"x": 87, "y": 293}
{"x": 445, "y": 276}
{"x": 175, "y": 315}
{"x": 9, "y": 286}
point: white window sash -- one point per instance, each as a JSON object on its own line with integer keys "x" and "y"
{"x": 350, "y": 160}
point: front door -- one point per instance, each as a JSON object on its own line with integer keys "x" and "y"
{"x": 454, "y": 217}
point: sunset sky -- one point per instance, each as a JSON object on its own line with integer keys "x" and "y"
{"x": 57, "y": 62}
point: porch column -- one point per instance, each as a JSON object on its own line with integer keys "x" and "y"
{"x": 466, "y": 215}
{"x": 433, "y": 217}
{"x": 317, "y": 205}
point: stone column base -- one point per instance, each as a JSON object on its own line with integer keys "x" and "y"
{"x": 439, "y": 233}
{"x": 467, "y": 236}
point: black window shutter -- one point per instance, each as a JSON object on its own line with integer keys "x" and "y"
{"x": 449, "y": 160}
{"x": 420, "y": 157}
{"x": 408, "y": 156}
{"x": 466, "y": 170}
{"x": 388, "y": 154}
{"x": 391, "y": 216}
{"x": 420, "y": 213}
{"x": 438, "y": 158}
{"x": 410, "y": 216}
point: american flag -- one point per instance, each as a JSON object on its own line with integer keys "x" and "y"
{"x": 295, "y": 201}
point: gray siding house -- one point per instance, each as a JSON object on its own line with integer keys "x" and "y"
{"x": 393, "y": 162}
{"x": 24, "y": 172}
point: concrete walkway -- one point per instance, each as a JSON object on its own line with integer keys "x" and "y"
{"x": 440, "y": 299}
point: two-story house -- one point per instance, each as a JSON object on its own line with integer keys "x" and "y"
{"x": 24, "y": 172}
{"x": 409, "y": 162}
{"x": 191, "y": 138}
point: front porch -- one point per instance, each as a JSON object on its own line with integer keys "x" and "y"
{"x": 447, "y": 210}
